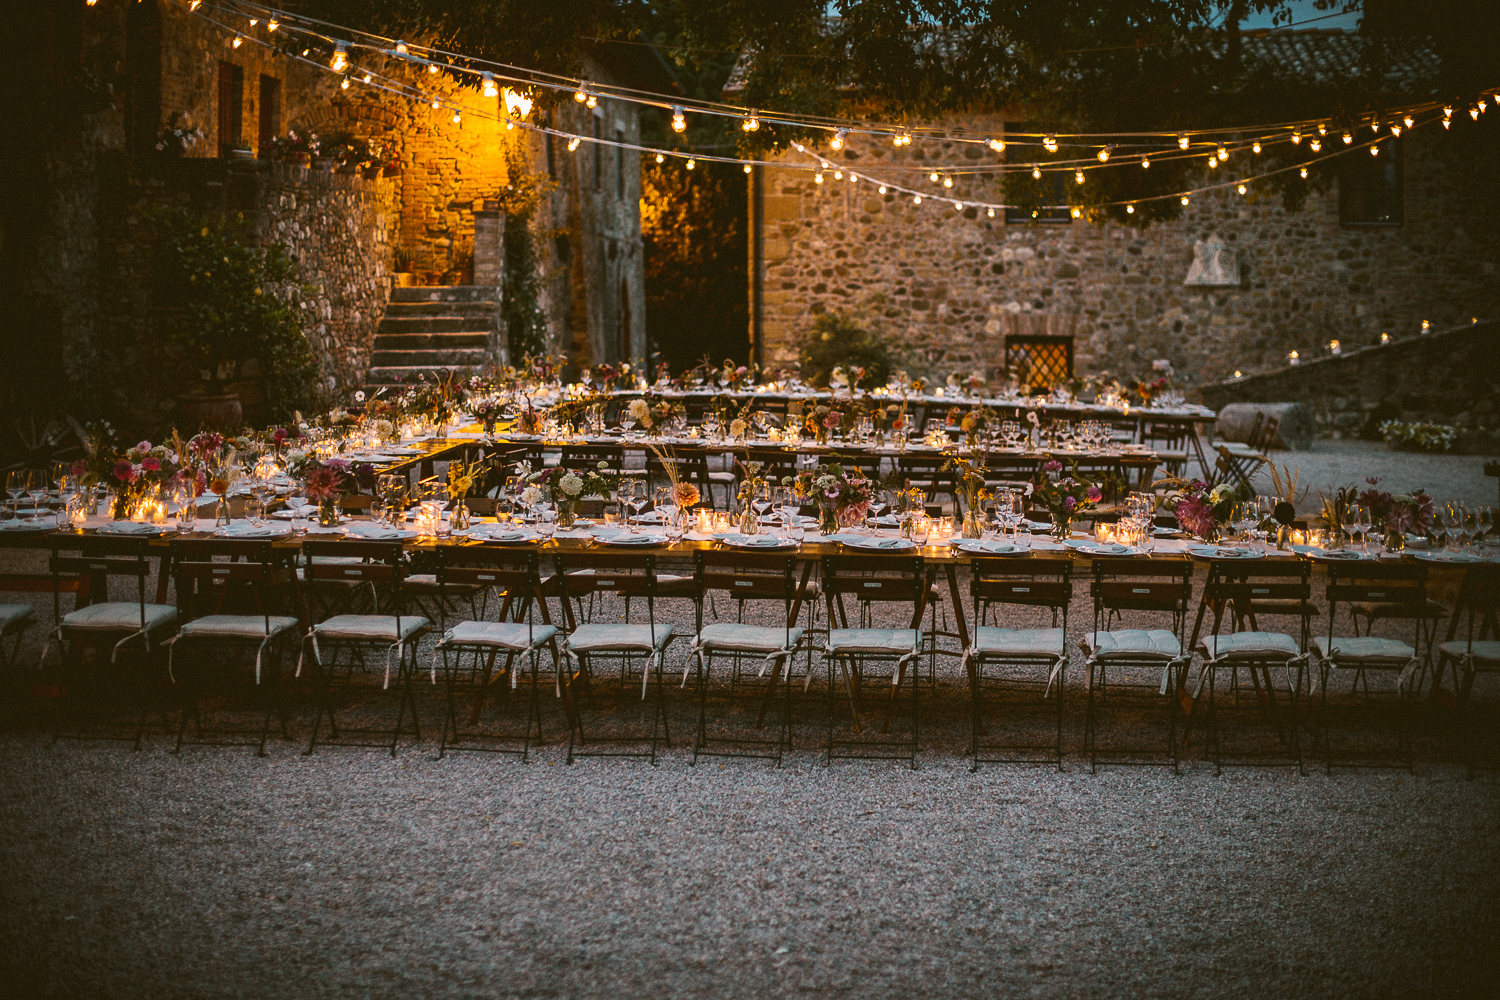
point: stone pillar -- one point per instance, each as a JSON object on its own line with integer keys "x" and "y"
{"x": 489, "y": 269}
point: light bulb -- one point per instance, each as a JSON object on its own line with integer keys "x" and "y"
{"x": 1374, "y": 150}
{"x": 487, "y": 84}
{"x": 1316, "y": 145}
{"x": 853, "y": 178}
{"x": 435, "y": 105}
{"x": 582, "y": 93}
{"x": 1374, "y": 124}
{"x": 272, "y": 24}
{"x": 990, "y": 213}
{"x": 958, "y": 206}
{"x": 1348, "y": 138}
{"x": 1333, "y": 347}
{"x": 1255, "y": 147}
{"x": 747, "y": 168}
{"x": 344, "y": 84}
{"x": 1303, "y": 172}
{"x": 1482, "y": 105}
{"x": 1078, "y": 176}
{"x": 1241, "y": 189}
{"x": 1184, "y": 200}
{"x": 1223, "y": 153}
{"x": 1385, "y": 338}
{"x": 191, "y": 7}
{"x": 818, "y": 177}
{"x": 998, "y": 146}
{"x": 517, "y": 104}
{"x": 1409, "y": 120}
{"x": 367, "y": 78}
{"x": 1426, "y": 325}
{"x": 1447, "y": 123}
{"x": 253, "y": 21}
{"x": 1292, "y": 357}
{"x": 882, "y": 189}
{"x": 916, "y": 199}
{"x": 1296, "y": 138}
{"x": 896, "y": 140}
{"x": 1237, "y": 373}
{"x": 838, "y": 175}
{"x": 1103, "y": 154}
{"x": 1050, "y": 143}
{"x": 1077, "y": 213}
{"x": 1447, "y": 111}
{"x": 1396, "y": 131}
{"x": 457, "y": 117}
{"x": 573, "y": 143}
{"x": 693, "y": 164}
{"x": 1146, "y": 162}
{"x": 751, "y": 123}
{"x": 679, "y": 120}
{"x": 1036, "y": 172}
{"x": 432, "y": 67}
{"x": 837, "y": 142}
{"x": 933, "y": 177}
{"x": 1322, "y": 128}
{"x": 238, "y": 41}
{"x": 1182, "y": 140}
{"x": 1130, "y": 209}
{"x": 592, "y": 102}
{"x": 947, "y": 182}
{"x": 1213, "y": 161}
{"x": 400, "y": 47}
{"x": 660, "y": 158}
{"x": 1474, "y": 113}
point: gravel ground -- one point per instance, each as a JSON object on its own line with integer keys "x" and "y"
{"x": 1331, "y": 464}
{"x": 352, "y": 874}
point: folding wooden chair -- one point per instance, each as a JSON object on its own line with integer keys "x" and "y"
{"x": 1476, "y": 652}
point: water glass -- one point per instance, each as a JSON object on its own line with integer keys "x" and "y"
{"x": 187, "y": 517}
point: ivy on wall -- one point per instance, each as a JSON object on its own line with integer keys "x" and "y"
{"x": 521, "y": 313}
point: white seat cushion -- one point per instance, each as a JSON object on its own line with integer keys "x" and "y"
{"x": 883, "y": 641}
{"x": 14, "y": 616}
{"x": 1133, "y": 644}
{"x": 1486, "y": 654}
{"x": 728, "y": 637}
{"x": 118, "y": 616}
{"x": 618, "y": 638}
{"x": 498, "y": 635}
{"x": 992, "y": 641}
{"x": 370, "y": 628}
{"x": 1249, "y": 646}
{"x": 236, "y": 626}
{"x": 1363, "y": 651}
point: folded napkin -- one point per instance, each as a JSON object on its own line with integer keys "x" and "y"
{"x": 381, "y": 534}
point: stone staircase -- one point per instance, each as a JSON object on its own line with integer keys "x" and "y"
{"x": 433, "y": 329}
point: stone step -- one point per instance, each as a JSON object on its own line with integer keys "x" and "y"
{"x": 446, "y": 293}
{"x": 483, "y": 308}
{"x": 429, "y": 341}
{"x": 431, "y": 324}
{"x": 463, "y": 357}
{"x": 406, "y": 374}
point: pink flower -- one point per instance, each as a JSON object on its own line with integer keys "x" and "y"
{"x": 1070, "y": 503}
{"x": 280, "y": 436}
{"x": 854, "y": 514}
{"x": 125, "y": 472}
{"x": 322, "y": 484}
{"x": 143, "y": 447}
{"x": 151, "y": 464}
{"x": 833, "y": 420}
{"x": 1094, "y": 495}
{"x": 1052, "y": 466}
{"x": 1196, "y": 517}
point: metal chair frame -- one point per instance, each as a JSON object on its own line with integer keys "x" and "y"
{"x": 1477, "y": 606}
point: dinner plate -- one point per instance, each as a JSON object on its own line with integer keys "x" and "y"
{"x": 740, "y": 541}
{"x": 1334, "y": 555}
{"x": 1099, "y": 548}
{"x": 44, "y": 524}
{"x": 1447, "y": 557}
{"x": 880, "y": 544}
{"x": 503, "y": 537}
{"x": 253, "y": 531}
{"x": 627, "y": 541}
{"x": 134, "y": 528}
{"x": 373, "y": 534}
{"x": 978, "y": 547}
{"x": 1220, "y": 552}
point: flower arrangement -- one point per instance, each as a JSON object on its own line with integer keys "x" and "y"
{"x": 733, "y": 376}
{"x": 179, "y": 136}
{"x": 1401, "y": 512}
{"x": 568, "y": 484}
{"x": 1064, "y": 495}
{"x": 487, "y": 410}
{"x": 971, "y": 487}
{"x": 1418, "y": 436}
{"x": 651, "y": 416}
{"x": 607, "y": 374}
{"x": 436, "y": 398}
{"x": 294, "y": 146}
{"x": 1200, "y": 511}
{"x": 844, "y": 494}
{"x": 140, "y": 473}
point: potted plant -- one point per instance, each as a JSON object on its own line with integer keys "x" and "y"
{"x": 295, "y": 148}
{"x": 216, "y": 295}
{"x": 179, "y": 136}
{"x": 401, "y": 266}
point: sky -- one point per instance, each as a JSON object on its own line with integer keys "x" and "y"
{"x": 1303, "y": 10}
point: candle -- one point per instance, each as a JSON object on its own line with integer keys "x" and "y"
{"x": 1104, "y": 532}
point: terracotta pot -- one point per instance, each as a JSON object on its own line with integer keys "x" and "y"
{"x": 403, "y": 279}
{"x": 222, "y": 413}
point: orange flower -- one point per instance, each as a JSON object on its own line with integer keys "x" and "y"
{"x": 686, "y": 494}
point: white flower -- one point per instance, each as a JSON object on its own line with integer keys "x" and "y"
{"x": 359, "y": 397}
{"x": 530, "y": 495}
{"x": 639, "y": 410}
{"x": 1033, "y": 418}
{"x": 571, "y": 484}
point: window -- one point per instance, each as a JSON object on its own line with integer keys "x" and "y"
{"x": 598, "y": 156}
{"x": 1038, "y": 360}
{"x": 619, "y": 164}
{"x": 231, "y": 107}
{"x": 270, "y": 114}
{"x": 1370, "y": 187}
{"x": 1052, "y": 188}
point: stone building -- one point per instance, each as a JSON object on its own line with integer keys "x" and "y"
{"x": 1381, "y": 251}
{"x": 105, "y": 82}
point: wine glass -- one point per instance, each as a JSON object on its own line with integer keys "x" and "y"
{"x": 1451, "y": 515}
{"x": 635, "y": 494}
{"x": 921, "y": 529}
{"x": 38, "y": 485}
{"x": 1359, "y": 522}
{"x": 1484, "y": 522}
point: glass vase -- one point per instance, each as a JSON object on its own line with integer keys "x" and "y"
{"x": 459, "y": 518}
{"x": 565, "y": 514}
{"x": 328, "y": 513}
{"x": 972, "y": 528}
{"x": 828, "y": 521}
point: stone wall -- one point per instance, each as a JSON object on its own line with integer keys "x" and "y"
{"x": 1452, "y": 377}
{"x": 951, "y": 285}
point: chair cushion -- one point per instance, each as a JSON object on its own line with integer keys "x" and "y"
{"x": 618, "y": 638}
{"x": 1486, "y": 653}
{"x": 728, "y": 637}
{"x": 1375, "y": 609}
{"x": 992, "y": 641}
{"x": 1249, "y": 646}
{"x": 14, "y": 617}
{"x": 370, "y": 628}
{"x": 1133, "y": 644}
{"x": 874, "y": 640}
{"x": 236, "y": 626}
{"x": 1363, "y": 651}
{"x": 498, "y": 635}
{"x": 119, "y": 616}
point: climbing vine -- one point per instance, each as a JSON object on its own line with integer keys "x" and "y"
{"x": 521, "y": 313}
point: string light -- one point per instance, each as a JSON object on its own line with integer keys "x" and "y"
{"x": 400, "y": 45}
{"x": 573, "y": 143}
{"x": 1078, "y": 176}
{"x": 1036, "y": 172}
{"x": 517, "y": 105}
{"x": 272, "y": 25}
{"x": 692, "y": 164}
{"x": 751, "y": 123}
{"x": 933, "y": 177}
{"x": 1049, "y": 143}
{"x": 1130, "y": 209}
{"x": 1474, "y": 113}
{"x": 837, "y": 142}
{"x": 991, "y": 213}
{"x": 1409, "y": 120}
{"x": 679, "y": 120}
{"x": 1322, "y": 128}
{"x": 1334, "y": 347}
{"x": 882, "y": 189}
{"x": 1182, "y": 140}
{"x": 819, "y": 177}
{"x": 1077, "y": 212}
{"x": 1482, "y": 105}
{"x": 1374, "y": 124}
{"x": 435, "y": 104}
{"x": 747, "y": 168}
{"x": 660, "y": 158}
{"x": 238, "y": 41}
{"x": 191, "y": 7}
{"x": 853, "y": 178}
{"x": 432, "y": 68}
{"x": 1374, "y": 150}
{"x": 998, "y": 146}
{"x": 1146, "y": 162}
{"x": 1296, "y": 137}
{"x": 1348, "y": 138}
{"x": 1213, "y": 161}
{"x": 958, "y": 206}
{"x": 1385, "y": 338}
{"x": 1223, "y": 153}
{"x": 1303, "y": 172}
{"x": 254, "y": 21}
{"x": 582, "y": 93}
{"x": 367, "y": 78}
{"x": 1241, "y": 189}
{"x": 838, "y": 175}
{"x": 1447, "y": 123}
{"x": 916, "y": 199}
{"x": 1426, "y": 325}
{"x": 1103, "y": 154}
{"x": 1316, "y": 145}
{"x": 1184, "y": 201}
{"x": 1294, "y": 358}
{"x": 1447, "y": 111}
{"x": 947, "y": 182}
{"x": 344, "y": 83}
{"x": 1255, "y": 147}
{"x": 1396, "y": 131}
{"x": 487, "y": 84}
